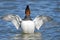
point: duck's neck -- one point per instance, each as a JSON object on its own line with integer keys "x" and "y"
{"x": 27, "y": 18}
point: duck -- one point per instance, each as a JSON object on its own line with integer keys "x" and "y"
{"x": 27, "y": 24}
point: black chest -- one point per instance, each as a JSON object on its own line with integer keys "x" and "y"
{"x": 27, "y": 18}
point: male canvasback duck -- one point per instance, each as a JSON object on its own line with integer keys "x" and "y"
{"x": 27, "y": 24}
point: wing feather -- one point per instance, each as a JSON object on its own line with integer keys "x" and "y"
{"x": 15, "y": 19}
{"x": 40, "y": 20}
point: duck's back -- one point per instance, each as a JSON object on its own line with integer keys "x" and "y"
{"x": 27, "y": 26}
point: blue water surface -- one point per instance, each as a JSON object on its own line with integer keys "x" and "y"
{"x": 48, "y": 31}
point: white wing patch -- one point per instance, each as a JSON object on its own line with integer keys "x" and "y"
{"x": 40, "y": 20}
{"x": 15, "y": 19}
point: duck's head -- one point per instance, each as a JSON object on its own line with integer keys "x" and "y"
{"x": 27, "y": 11}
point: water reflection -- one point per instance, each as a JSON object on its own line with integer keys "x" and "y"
{"x": 35, "y": 36}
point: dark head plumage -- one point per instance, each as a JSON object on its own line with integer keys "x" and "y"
{"x": 27, "y": 10}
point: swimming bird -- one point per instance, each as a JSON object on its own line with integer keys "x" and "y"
{"x": 27, "y": 24}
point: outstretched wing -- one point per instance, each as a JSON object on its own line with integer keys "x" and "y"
{"x": 40, "y": 20}
{"x": 15, "y": 19}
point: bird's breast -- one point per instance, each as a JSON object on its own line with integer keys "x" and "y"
{"x": 28, "y": 26}
{"x": 27, "y": 23}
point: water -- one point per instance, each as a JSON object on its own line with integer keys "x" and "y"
{"x": 48, "y": 31}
